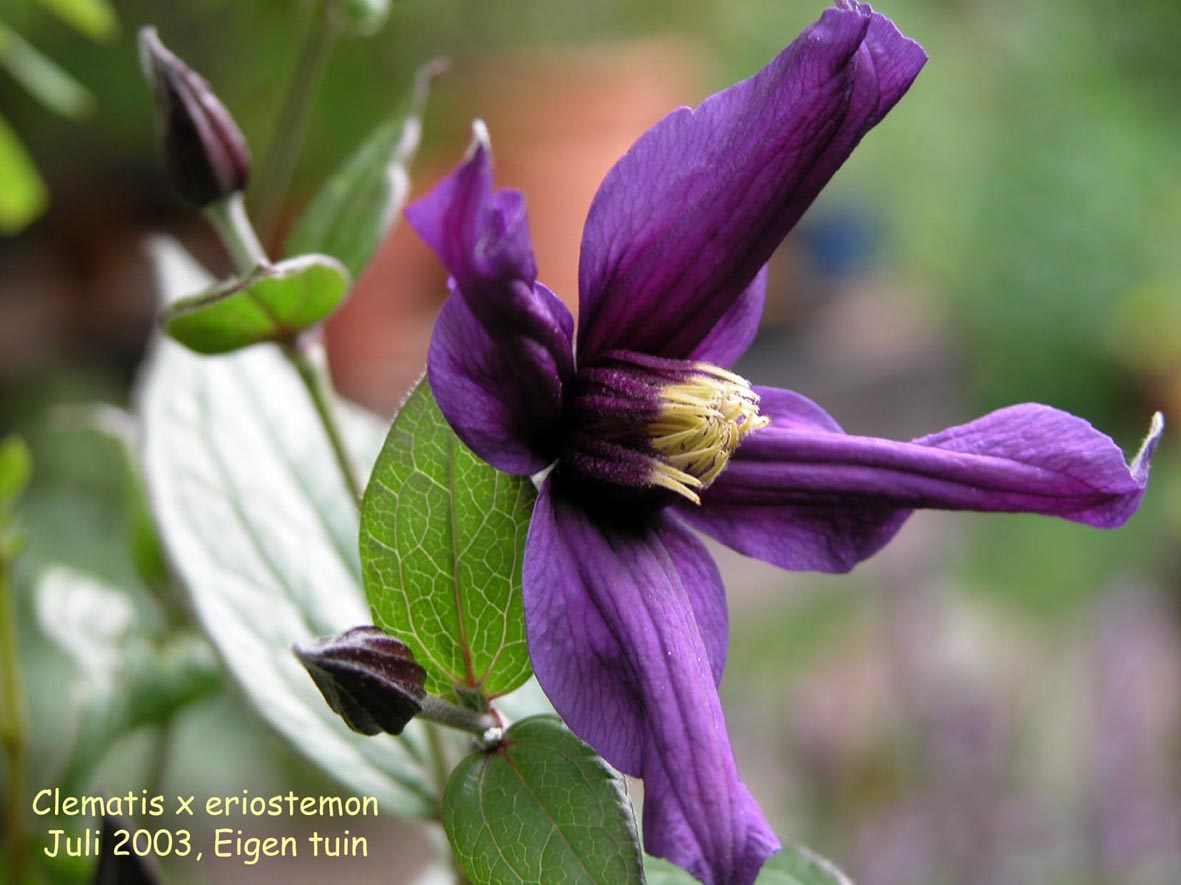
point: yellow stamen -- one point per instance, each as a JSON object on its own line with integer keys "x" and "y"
{"x": 702, "y": 422}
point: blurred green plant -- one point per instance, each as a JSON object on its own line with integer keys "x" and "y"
{"x": 23, "y": 193}
{"x": 16, "y": 468}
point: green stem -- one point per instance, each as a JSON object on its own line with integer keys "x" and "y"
{"x": 274, "y": 175}
{"x": 228, "y": 218}
{"x": 435, "y": 709}
{"x": 309, "y": 362}
{"x": 16, "y": 726}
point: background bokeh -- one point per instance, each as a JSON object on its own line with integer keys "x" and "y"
{"x": 992, "y": 699}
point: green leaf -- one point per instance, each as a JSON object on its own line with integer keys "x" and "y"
{"x": 23, "y": 195}
{"x": 794, "y": 865}
{"x": 94, "y": 18}
{"x": 442, "y": 539}
{"x": 128, "y": 677}
{"x": 357, "y": 207}
{"x": 122, "y": 429}
{"x": 262, "y": 531}
{"x": 541, "y": 807}
{"x": 274, "y": 302}
{"x": 42, "y": 77}
{"x": 16, "y": 468}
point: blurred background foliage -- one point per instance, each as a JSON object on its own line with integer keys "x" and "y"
{"x": 992, "y": 700}
{"x": 22, "y": 190}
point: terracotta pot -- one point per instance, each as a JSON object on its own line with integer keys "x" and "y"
{"x": 558, "y": 120}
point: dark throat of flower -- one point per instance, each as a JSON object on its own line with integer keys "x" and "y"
{"x": 646, "y": 427}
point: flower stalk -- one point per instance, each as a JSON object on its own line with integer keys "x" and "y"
{"x": 308, "y": 359}
{"x": 435, "y": 709}
{"x": 229, "y": 219}
{"x": 305, "y": 354}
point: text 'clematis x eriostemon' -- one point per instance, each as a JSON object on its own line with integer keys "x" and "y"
{"x": 648, "y": 433}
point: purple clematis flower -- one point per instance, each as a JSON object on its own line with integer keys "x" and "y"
{"x": 648, "y": 434}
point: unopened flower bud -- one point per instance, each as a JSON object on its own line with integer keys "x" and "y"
{"x": 121, "y": 867}
{"x": 369, "y": 678}
{"x": 205, "y": 155}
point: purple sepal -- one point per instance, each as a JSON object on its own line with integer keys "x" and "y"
{"x": 626, "y": 626}
{"x": 501, "y": 392}
{"x": 803, "y": 495}
{"x": 501, "y": 349}
{"x": 369, "y": 678}
{"x": 736, "y": 329}
{"x": 684, "y": 221}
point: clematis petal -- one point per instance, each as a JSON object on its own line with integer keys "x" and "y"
{"x": 501, "y": 349}
{"x": 801, "y": 494}
{"x": 684, "y": 221}
{"x": 729, "y": 339}
{"x": 620, "y": 633}
{"x": 502, "y": 391}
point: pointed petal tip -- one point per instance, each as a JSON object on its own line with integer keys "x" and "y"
{"x": 804, "y": 496}
{"x": 1140, "y": 463}
{"x": 481, "y": 140}
{"x": 500, "y": 351}
{"x": 467, "y": 187}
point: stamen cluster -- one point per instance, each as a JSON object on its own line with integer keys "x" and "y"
{"x": 702, "y": 422}
{"x": 648, "y": 423}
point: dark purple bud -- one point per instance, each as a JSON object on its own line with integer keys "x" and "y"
{"x": 121, "y": 867}
{"x": 205, "y": 155}
{"x": 366, "y": 676}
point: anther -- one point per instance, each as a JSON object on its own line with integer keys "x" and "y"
{"x": 701, "y": 423}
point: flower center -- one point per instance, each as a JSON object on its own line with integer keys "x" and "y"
{"x": 644, "y": 422}
{"x": 701, "y": 423}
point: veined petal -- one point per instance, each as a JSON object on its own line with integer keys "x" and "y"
{"x": 733, "y": 333}
{"x": 480, "y": 234}
{"x": 684, "y": 221}
{"x": 623, "y": 633}
{"x": 501, "y": 349}
{"x": 801, "y": 494}
{"x": 502, "y": 391}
